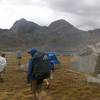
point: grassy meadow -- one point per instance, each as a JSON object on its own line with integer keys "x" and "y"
{"x": 66, "y": 85}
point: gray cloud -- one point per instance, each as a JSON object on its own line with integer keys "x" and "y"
{"x": 23, "y": 2}
{"x": 87, "y": 11}
{"x": 88, "y": 24}
{"x": 84, "y": 14}
{"x": 75, "y": 6}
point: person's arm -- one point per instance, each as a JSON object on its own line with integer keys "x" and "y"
{"x": 29, "y": 70}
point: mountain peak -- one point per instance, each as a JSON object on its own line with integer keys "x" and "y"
{"x": 60, "y": 21}
{"x": 22, "y": 19}
{"x": 22, "y": 26}
{"x": 61, "y": 24}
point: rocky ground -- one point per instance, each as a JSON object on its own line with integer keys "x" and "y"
{"x": 66, "y": 85}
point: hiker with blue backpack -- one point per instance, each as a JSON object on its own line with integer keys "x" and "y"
{"x": 53, "y": 61}
{"x": 38, "y": 70}
{"x": 51, "y": 68}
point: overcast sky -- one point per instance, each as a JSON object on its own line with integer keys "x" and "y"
{"x": 84, "y": 14}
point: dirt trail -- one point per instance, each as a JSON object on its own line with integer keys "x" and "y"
{"x": 66, "y": 85}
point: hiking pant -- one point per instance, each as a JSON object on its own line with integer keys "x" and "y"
{"x": 36, "y": 88}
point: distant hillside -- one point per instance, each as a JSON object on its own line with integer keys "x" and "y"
{"x": 59, "y": 35}
{"x": 95, "y": 35}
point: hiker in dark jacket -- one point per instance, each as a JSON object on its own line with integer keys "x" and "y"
{"x": 31, "y": 78}
{"x": 37, "y": 71}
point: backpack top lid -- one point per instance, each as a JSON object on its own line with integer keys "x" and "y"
{"x": 50, "y": 54}
{"x": 53, "y": 59}
{"x": 32, "y": 51}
